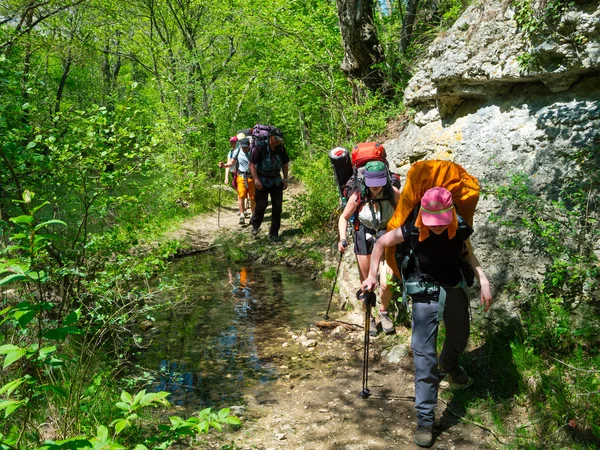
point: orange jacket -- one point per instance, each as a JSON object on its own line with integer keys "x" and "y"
{"x": 424, "y": 175}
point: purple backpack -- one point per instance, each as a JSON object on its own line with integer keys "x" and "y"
{"x": 270, "y": 162}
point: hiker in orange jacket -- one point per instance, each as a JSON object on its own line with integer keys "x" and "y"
{"x": 433, "y": 279}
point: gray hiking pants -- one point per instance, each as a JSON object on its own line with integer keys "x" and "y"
{"x": 424, "y": 336}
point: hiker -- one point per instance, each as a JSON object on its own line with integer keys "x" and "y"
{"x": 244, "y": 182}
{"x": 372, "y": 210}
{"x": 268, "y": 161}
{"x": 233, "y": 144}
{"x": 439, "y": 235}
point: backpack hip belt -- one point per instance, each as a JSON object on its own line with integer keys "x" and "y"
{"x": 425, "y": 288}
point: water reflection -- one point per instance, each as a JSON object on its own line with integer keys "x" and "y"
{"x": 228, "y": 338}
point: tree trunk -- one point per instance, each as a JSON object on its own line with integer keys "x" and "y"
{"x": 362, "y": 49}
{"x": 408, "y": 23}
{"x": 63, "y": 79}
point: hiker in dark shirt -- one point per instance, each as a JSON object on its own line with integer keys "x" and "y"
{"x": 267, "y": 165}
{"x": 438, "y": 291}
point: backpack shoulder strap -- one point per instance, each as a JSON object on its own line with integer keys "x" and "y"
{"x": 464, "y": 230}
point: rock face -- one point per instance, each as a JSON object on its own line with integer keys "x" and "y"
{"x": 474, "y": 104}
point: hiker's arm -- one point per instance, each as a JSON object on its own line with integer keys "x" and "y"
{"x": 390, "y": 238}
{"x": 228, "y": 164}
{"x": 343, "y": 222}
{"x": 485, "y": 296}
{"x": 284, "y": 167}
{"x": 257, "y": 183}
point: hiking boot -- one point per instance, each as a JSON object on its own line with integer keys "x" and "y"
{"x": 254, "y": 232}
{"x": 386, "y": 323}
{"x": 242, "y": 222}
{"x": 424, "y": 436}
{"x": 372, "y": 327}
{"x": 458, "y": 379}
{"x": 274, "y": 238}
{"x": 247, "y": 213}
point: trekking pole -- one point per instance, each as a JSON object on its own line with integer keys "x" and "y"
{"x": 326, "y": 316}
{"x": 367, "y": 298}
{"x": 219, "y": 213}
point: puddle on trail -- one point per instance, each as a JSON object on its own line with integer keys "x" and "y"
{"x": 226, "y": 337}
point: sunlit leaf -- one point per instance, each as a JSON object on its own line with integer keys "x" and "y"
{"x": 11, "y": 386}
{"x": 14, "y": 356}
{"x": 21, "y": 219}
{"x": 50, "y": 222}
{"x": 12, "y": 278}
{"x": 126, "y": 397}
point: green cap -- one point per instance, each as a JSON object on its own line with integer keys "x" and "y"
{"x": 375, "y": 166}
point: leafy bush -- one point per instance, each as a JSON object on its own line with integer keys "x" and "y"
{"x": 317, "y": 207}
{"x": 556, "y": 349}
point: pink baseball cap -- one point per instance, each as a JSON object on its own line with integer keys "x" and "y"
{"x": 437, "y": 208}
{"x": 233, "y": 139}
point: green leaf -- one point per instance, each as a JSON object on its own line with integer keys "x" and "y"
{"x": 11, "y": 386}
{"x": 126, "y": 397}
{"x": 223, "y": 413}
{"x": 50, "y": 222}
{"x": 138, "y": 397}
{"x": 21, "y": 219}
{"x": 140, "y": 447}
{"x": 232, "y": 420}
{"x": 14, "y": 356}
{"x": 121, "y": 425}
{"x": 47, "y": 351}
{"x": 72, "y": 318}
{"x": 122, "y": 405}
{"x": 102, "y": 433}
{"x": 24, "y": 317}
{"x": 61, "y": 333}
{"x": 34, "y": 210}
{"x": 6, "y": 348}
{"x": 11, "y": 278}
{"x": 176, "y": 420}
{"x": 56, "y": 389}
{"x": 155, "y": 397}
{"x": 10, "y": 406}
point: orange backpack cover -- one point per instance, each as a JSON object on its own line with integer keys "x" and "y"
{"x": 424, "y": 175}
{"x": 367, "y": 151}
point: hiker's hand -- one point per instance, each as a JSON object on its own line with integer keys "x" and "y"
{"x": 342, "y": 245}
{"x": 221, "y": 164}
{"x": 369, "y": 284}
{"x": 485, "y": 297}
{"x": 226, "y": 181}
{"x": 257, "y": 185}
{"x": 284, "y": 184}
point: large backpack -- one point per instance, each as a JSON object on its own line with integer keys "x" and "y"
{"x": 421, "y": 177}
{"x": 349, "y": 171}
{"x": 270, "y": 163}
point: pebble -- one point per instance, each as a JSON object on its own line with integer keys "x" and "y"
{"x": 280, "y": 436}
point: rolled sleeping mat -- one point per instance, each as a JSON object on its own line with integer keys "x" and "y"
{"x": 245, "y": 131}
{"x": 342, "y": 168}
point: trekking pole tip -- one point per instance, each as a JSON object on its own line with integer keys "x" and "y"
{"x": 326, "y": 317}
{"x": 365, "y": 393}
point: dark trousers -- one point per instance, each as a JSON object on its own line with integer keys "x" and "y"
{"x": 424, "y": 337}
{"x": 262, "y": 199}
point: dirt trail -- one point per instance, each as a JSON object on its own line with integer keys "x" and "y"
{"x": 315, "y": 405}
